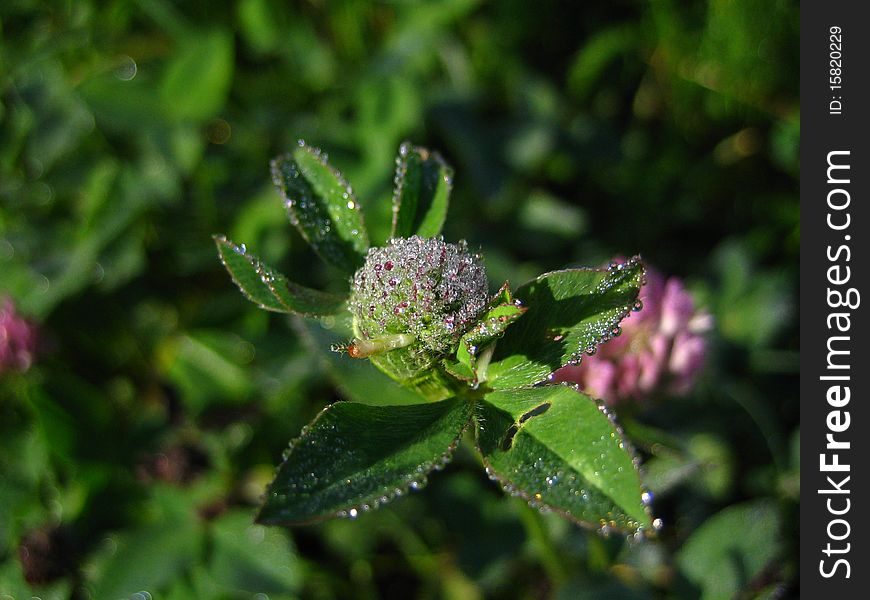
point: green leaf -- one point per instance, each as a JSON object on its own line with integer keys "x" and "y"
{"x": 152, "y": 555}
{"x": 502, "y": 296}
{"x": 472, "y": 345}
{"x": 422, "y": 193}
{"x": 500, "y": 313}
{"x": 459, "y": 369}
{"x": 196, "y": 82}
{"x": 355, "y": 456}
{"x": 732, "y": 548}
{"x": 322, "y": 206}
{"x": 569, "y": 312}
{"x": 270, "y": 290}
{"x": 493, "y": 324}
{"x": 207, "y": 367}
{"x": 245, "y": 556}
{"x": 558, "y": 449}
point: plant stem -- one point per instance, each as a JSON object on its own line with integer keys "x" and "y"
{"x": 543, "y": 544}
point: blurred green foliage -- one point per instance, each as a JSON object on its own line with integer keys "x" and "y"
{"x": 133, "y": 454}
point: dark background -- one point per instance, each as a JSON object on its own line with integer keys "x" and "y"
{"x": 133, "y": 453}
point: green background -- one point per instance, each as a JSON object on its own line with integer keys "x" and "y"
{"x": 133, "y": 453}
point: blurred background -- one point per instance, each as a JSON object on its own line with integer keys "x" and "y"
{"x": 144, "y": 403}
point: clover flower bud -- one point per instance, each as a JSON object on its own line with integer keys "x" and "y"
{"x": 417, "y": 294}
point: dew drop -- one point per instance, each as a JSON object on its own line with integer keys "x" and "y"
{"x": 127, "y": 69}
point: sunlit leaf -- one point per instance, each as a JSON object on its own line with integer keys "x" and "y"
{"x": 569, "y": 312}
{"x": 556, "y": 448}
{"x": 473, "y": 344}
{"x": 493, "y": 324}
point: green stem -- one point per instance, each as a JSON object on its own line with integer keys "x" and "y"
{"x": 543, "y": 544}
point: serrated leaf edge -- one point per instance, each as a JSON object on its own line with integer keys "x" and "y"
{"x": 406, "y": 149}
{"x": 322, "y": 157}
{"x": 267, "y": 276}
{"x": 416, "y": 482}
{"x": 602, "y": 527}
{"x": 575, "y": 357}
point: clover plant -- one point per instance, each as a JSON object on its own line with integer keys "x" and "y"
{"x": 421, "y": 312}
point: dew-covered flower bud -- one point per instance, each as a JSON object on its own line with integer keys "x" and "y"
{"x": 661, "y": 348}
{"x": 416, "y": 294}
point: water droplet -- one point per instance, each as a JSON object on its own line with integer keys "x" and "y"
{"x": 126, "y": 69}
